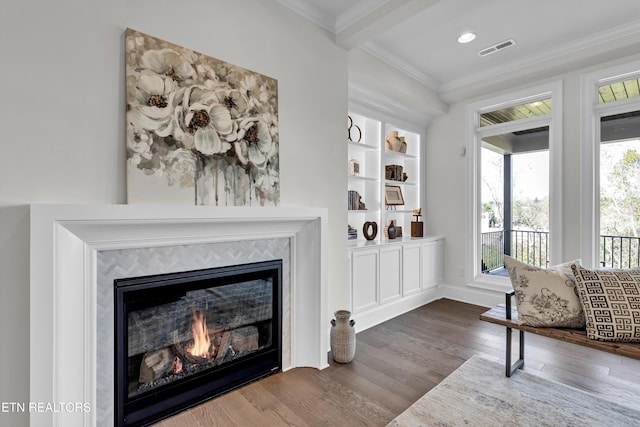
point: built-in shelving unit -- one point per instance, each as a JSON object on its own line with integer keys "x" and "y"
{"x": 367, "y": 163}
{"x": 387, "y": 277}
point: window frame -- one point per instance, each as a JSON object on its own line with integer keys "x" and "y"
{"x": 474, "y": 135}
{"x": 592, "y": 113}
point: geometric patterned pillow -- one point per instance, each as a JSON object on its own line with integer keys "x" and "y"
{"x": 611, "y": 302}
{"x": 545, "y": 297}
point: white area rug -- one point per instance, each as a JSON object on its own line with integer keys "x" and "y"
{"x": 478, "y": 394}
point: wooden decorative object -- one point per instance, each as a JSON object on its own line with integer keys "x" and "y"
{"x": 370, "y": 230}
{"x": 417, "y": 226}
{"x": 417, "y": 229}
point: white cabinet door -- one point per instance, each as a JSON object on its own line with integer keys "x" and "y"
{"x": 430, "y": 264}
{"x": 364, "y": 279}
{"x": 390, "y": 273}
{"x": 411, "y": 268}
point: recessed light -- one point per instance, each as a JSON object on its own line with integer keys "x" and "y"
{"x": 466, "y": 37}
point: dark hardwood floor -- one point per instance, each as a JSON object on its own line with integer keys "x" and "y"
{"x": 396, "y": 363}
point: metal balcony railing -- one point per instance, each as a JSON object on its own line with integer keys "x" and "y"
{"x": 619, "y": 251}
{"x": 492, "y": 250}
{"x": 532, "y": 247}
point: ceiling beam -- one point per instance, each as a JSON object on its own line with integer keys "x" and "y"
{"x": 390, "y": 14}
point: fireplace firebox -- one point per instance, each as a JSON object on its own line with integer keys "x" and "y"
{"x": 183, "y": 338}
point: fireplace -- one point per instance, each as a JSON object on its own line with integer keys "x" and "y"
{"x": 77, "y": 251}
{"x": 183, "y": 338}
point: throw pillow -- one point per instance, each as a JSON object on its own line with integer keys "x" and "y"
{"x": 545, "y": 297}
{"x": 611, "y": 302}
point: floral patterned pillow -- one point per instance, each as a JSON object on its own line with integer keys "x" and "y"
{"x": 546, "y": 297}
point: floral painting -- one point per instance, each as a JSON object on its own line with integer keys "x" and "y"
{"x": 199, "y": 130}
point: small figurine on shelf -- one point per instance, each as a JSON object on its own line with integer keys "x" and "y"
{"x": 361, "y": 205}
{"x": 417, "y": 229}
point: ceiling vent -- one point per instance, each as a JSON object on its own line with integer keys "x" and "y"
{"x": 496, "y": 47}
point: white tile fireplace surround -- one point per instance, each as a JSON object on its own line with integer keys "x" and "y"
{"x": 76, "y": 251}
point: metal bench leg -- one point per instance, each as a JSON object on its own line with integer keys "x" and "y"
{"x": 519, "y": 364}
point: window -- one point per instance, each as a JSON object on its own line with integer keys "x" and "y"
{"x": 513, "y": 157}
{"x": 611, "y": 168}
{"x": 619, "y": 198}
{"x": 619, "y": 90}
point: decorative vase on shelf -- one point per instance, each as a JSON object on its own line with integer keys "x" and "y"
{"x": 393, "y": 142}
{"x": 403, "y": 145}
{"x": 343, "y": 337}
{"x": 392, "y": 231}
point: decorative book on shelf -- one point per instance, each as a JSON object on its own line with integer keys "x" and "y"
{"x": 355, "y": 202}
{"x": 352, "y": 233}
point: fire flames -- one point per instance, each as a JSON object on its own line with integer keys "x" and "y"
{"x": 201, "y": 341}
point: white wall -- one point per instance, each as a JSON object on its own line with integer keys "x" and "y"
{"x": 445, "y": 207}
{"x": 64, "y": 132}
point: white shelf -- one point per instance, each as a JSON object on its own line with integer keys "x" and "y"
{"x": 362, "y": 178}
{"x": 357, "y": 244}
{"x": 397, "y": 154}
{"x": 361, "y": 146}
{"x": 401, "y": 183}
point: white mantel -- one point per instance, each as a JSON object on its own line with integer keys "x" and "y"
{"x": 65, "y": 243}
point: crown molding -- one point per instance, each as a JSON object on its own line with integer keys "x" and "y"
{"x": 401, "y": 65}
{"x": 359, "y": 11}
{"x": 312, "y": 13}
{"x": 360, "y": 96}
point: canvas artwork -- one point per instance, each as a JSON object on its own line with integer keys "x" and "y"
{"x": 199, "y": 130}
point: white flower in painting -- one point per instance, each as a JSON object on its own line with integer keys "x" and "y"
{"x": 168, "y": 62}
{"x": 207, "y": 76}
{"x": 180, "y": 167}
{"x": 271, "y": 120}
{"x": 203, "y": 123}
{"x": 267, "y": 186}
{"x": 235, "y": 101}
{"x": 153, "y": 99}
{"x": 258, "y": 93}
{"x": 138, "y": 144}
{"x": 255, "y": 144}
{"x": 155, "y": 88}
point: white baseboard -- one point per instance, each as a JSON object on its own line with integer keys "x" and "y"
{"x": 374, "y": 316}
{"x": 482, "y": 297}
{"x": 367, "y": 319}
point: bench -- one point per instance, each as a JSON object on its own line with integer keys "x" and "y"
{"x": 506, "y": 315}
